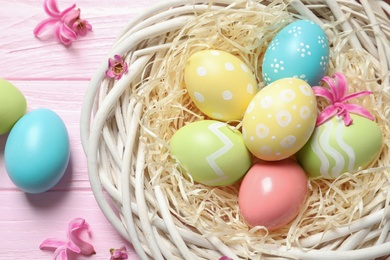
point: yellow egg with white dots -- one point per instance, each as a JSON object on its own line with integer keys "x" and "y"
{"x": 220, "y": 84}
{"x": 280, "y": 119}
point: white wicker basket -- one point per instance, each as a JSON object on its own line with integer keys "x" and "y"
{"x": 139, "y": 209}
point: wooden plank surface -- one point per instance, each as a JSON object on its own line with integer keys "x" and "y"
{"x": 53, "y": 76}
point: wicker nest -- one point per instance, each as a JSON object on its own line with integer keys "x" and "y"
{"x": 127, "y": 125}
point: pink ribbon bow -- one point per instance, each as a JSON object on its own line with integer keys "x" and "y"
{"x": 337, "y": 95}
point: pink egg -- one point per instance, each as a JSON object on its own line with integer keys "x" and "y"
{"x": 272, "y": 193}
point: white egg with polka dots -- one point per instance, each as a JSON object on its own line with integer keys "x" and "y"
{"x": 299, "y": 50}
{"x": 280, "y": 119}
{"x": 220, "y": 84}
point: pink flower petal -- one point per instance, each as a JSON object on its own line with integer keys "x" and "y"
{"x": 335, "y": 89}
{"x": 74, "y": 229}
{"x": 60, "y": 38}
{"x": 60, "y": 253}
{"x": 356, "y": 95}
{"x": 51, "y": 8}
{"x": 118, "y": 58}
{"x": 325, "y": 115}
{"x": 70, "y": 8}
{"x": 110, "y": 73}
{"x": 44, "y": 25}
{"x": 65, "y": 35}
{"x": 88, "y": 25}
{"x": 125, "y": 68}
{"x": 51, "y": 243}
{"x": 347, "y": 119}
{"x": 225, "y": 258}
{"x": 359, "y": 110}
{"x": 111, "y": 62}
{"x": 70, "y": 17}
{"x": 72, "y": 247}
{"x": 341, "y": 84}
{"x": 323, "y": 92}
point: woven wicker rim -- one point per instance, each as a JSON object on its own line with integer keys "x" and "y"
{"x": 157, "y": 236}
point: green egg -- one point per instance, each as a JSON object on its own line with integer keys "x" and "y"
{"x": 334, "y": 148}
{"x": 212, "y": 152}
{"x": 13, "y": 106}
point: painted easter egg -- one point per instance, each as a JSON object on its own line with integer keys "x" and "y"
{"x": 212, "y": 152}
{"x": 272, "y": 193}
{"x": 37, "y": 151}
{"x": 280, "y": 119}
{"x": 220, "y": 84}
{"x": 335, "y": 148}
{"x": 13, "y": 106}
{"x": 299, "y": 50}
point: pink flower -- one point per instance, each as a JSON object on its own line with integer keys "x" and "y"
{"x": 73, "y": 243}
{"x": 67, "y": 24}
{"x": 118, "y": 254}
{"x": 337, "y": 95}
{"x": 81, "y": 27}
{"x": 116, "y": 67}
{"x": 225, "y": 258}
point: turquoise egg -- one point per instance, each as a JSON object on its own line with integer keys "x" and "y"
{"x": 299, "y": 50}
{"x": 37, "y": 151}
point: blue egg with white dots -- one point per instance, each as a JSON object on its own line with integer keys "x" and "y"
{"x": 299, "y": 50}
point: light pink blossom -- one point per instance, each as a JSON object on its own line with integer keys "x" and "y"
{"x": 74, "y": 243}
{"x": 67, "y": 24}
{"x": 118, "y": 254}
{"x": 116, "y": 67}
{"x": 81, "y": 27}
{"x": 338, "y": 96}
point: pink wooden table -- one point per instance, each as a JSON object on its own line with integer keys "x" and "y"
{"x": 55, "y": 77}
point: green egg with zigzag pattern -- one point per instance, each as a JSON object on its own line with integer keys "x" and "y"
{"x": 211, "y": 152}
